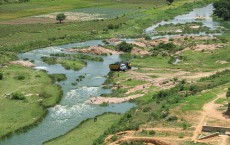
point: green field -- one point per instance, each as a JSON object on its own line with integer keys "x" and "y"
{"x": 38, "y": 90}
{"x": 87, "y": 132}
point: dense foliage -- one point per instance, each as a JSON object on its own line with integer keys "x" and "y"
{"x": 13, "y": 1}
{"x": 125, "y": 47}
{"x": 222, "y": 9}
{"x": 60, "y": 17}
{"x": 1, "y": 76}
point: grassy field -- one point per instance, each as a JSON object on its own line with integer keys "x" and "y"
{"x": 65, "y": 62}
{"x": 37, "y": 7}
{"x": 25, "y": 37}
{"x": 38, "y": 91}
{"x": 87, "y": 132}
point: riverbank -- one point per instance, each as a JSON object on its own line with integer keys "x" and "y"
{"x": 137, "y": 61}
{"x": 80, "y": 31}
{"x": 37, "y": 94}
{"x": 87, "y": 131}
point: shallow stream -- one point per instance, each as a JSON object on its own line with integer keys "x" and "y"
{"x": 72, "y": 109}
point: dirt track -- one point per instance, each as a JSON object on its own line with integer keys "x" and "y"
{"x": 209, "y": 110}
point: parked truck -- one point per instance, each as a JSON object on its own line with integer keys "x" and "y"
{"x": 120, "y": 66}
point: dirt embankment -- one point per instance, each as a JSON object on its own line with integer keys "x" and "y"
{"x": 112, "y": 100}
{"x": 96, "y": 50}
{"x": 23, "y": 63}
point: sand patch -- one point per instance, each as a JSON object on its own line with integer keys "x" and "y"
{"x": 195, "y": 27}
{"x": 23, "y": 63}
{"x": 96, "y": 50}
{"x": 202, "y": 47}
{"x": 111, "y": 100}
{"x": 221, "y": 61}
{"x": 139, "y": 44}
{"x": 74, "y": 16}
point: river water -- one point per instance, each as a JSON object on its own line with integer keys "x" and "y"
{"x": 72, "y": 109}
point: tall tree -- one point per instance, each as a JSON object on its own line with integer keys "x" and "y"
{"x": 222, "y": 9}
{"x": 60, "y": 17}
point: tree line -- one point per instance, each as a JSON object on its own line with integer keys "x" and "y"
{"x": 222, "y": 9}
{"x": 13, "y": 1}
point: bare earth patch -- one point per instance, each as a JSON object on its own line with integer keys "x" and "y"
{"x": 23, "y": 63}
{"x": 51, "y": 18}
{"x": 74, "y": 16}
{"x": 138, "y": 51}
{"x": 96, "y": 50}
{"x": 109, "y": 100}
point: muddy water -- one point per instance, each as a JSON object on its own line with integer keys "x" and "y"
{"x": 72, "y": 109}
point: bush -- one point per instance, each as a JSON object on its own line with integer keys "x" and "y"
{"x": 114, "y": 138}
{"x": 20, "y": 77}
{"x": 222, "y": 9}
{"x": 171, "y": 118}
{"x": 1, "y": 76}
{"x": 110, "y": 26}
{"x": 17, "y": 96}
{"x": 146, "y": 109}
{"x": 125, "y": 47}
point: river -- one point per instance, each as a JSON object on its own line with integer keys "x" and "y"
{"x": 72, "y": 109}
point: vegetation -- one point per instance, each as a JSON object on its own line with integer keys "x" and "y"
{"x": 125, "y": 47}
{"x": 13, "y": 1}
{"x": 170, "y": 1}
{"x": 37, "y": 92}
{"x": 60, "y": 17}
{"x": 58, "y": 77}
{"x": 87, "y": 131}
{"x": 222, "y": 9}
{"x": 73, "y": 64}
{"x": 1, "y": 76}
{"x": 187, "y": 28}
{"x": 78, "y": 56}
{"x": 24, "y": 106}
{"x": 17, "y": 96}
{"x": 228, "y": 93}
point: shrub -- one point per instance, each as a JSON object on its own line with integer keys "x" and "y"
{"x": 146, "y": 109}
{"x": 171, "y": 118}
{"x": 114, "y": 138}
{"x": 1, "y": 76}
{"x": 152, "y": 132}
{"x": 110, "y": 26}
{"x": 125, "y": 47}
{"x": 17, "y": 96}
{"x": 20, "y": 77}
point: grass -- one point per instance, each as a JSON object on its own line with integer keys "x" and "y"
{"x": 39, "y": 92}
{"x": 25, "y": 37}
{"x": 184, "y": 28}
{"x": 71, "y": 64}
{"x": 79, "y": 56}
{"x": 221, "y": 100}
{"x": 58, "y": 77}
{"x": 87, "y": 132}
{"x": 65, "y": 62}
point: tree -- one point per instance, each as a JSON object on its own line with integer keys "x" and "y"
{"x": 228, "y": 93}
{"x": 1, "y": 76}
{"x": 125, "y": 47}
{"x": 222, "y": 9}
{"x": 60, "y": 17}
{"x": 170, "y": 1}
{"x": 228, "y": 110}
